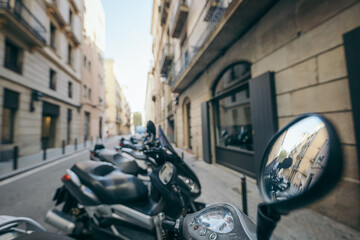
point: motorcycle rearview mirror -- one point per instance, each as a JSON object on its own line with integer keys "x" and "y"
{"x": 150, "y": 128}
{"x": 301, "y": 163}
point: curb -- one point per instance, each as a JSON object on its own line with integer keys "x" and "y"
{"x": 44, "y": 162}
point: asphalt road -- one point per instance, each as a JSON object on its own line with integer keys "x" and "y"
{"x": 30, "y": 194}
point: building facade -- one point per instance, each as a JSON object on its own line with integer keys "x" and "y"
{"x": 93, "y": 74}
{"x": 117, "y": 108}
{"x": 40, "y": 74}
{"x": 228, "y": 74}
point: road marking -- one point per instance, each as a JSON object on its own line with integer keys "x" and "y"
{"x": 35, "y": 170}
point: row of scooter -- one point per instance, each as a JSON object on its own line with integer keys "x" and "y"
{"x": 149, "y": 192}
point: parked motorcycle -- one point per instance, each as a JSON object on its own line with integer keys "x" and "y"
{"x": 132, "y": 146}
{"x": 22, "y": 228}
{"x": 315, "y": 173}
{"x": 100, "y": 200}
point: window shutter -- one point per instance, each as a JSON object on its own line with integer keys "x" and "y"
{"x": 263, "y": 112}
{"x": 352, "y": 54}
{"x": 205, "y": 132}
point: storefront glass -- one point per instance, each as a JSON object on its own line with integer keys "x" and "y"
{"x": 233, "y": 117}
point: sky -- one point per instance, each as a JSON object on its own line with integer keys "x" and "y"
{"x": 128, "y": 42}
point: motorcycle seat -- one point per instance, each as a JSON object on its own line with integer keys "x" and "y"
{"x": 134, "y": 154}
{"x": 109, "y": 184}
{"x": 125, "y": 165}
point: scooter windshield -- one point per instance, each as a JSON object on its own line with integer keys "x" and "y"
{"x": 165, "y": 142}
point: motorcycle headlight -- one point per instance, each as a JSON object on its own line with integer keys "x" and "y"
{"x": 193, "y": 187}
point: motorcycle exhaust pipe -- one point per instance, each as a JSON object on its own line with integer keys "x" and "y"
{"x": 60, "y": 220}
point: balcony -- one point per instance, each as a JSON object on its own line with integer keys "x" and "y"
{"x": 53, "y": 9}
{"x": 75, "y": 4}
{"x": 164, "y": 9}
{"x": 16, "y": 18}
{"x": 69, "y": 29}
{"x": 218, "y": 27}
{"x": 179, "y": 16}
{"x": 118, "y": 119}
{"x": 166, "y": 59}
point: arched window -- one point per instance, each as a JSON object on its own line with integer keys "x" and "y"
{"x": 232, "y": 107}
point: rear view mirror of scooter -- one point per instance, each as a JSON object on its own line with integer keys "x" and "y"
{"x": 301, "y": 163}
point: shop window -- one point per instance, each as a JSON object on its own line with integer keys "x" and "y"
{"x": 8, "y": 125}
{"x": 10, "y": 105}
{"x": 13, "y": 57}
{"x": 233, "y": 110}
{"x": 52, "y": 80}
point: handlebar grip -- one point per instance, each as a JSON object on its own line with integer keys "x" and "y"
{"x": 168, "y": 225}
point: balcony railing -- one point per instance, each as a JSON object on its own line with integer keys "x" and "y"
{"x": 23, "y": 15}
{"x": 167, "y": 58}
{"x": 205, "y": 25}
{"x": 178, "y": 17}
{"x": 53, "y": 9}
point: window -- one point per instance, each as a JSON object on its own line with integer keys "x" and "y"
{"x": 70, "y": 17}
{"x": 70, "y": 90}
{"x": 85, "y": 90}
{"x": 89, "y": 93}
{"x": 10, "y": 105}
{"x": 233, "y": 117}
{"x": 89, "y": 66}
{"x": 69, "y": 54}
{"x": 13, "y": 57}
{"x": 52, "y": 36}
{"x": 84, "y": 61}
{"x": 52, "y": 80}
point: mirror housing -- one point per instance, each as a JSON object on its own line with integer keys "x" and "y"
{"x": 327, "y": 174}
{"x": 150, "y": 128}
{"x": 330, "y": 175}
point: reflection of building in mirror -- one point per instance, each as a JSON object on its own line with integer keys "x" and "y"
{"x": 308, "y": 156}
{"x": 290, "y": 170}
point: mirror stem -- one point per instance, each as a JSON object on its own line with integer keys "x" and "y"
{"x": 266, "y": 221}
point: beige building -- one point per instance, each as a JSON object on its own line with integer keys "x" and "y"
{"x": 228, "y": 74}
{"x": 117, "y": 109}
{"x": 93, "y": 85}
{"x": 40, "y": 74}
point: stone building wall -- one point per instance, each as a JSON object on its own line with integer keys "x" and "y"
{"x": 302, "y": 43}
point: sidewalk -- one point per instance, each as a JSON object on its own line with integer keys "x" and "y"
{"x": 221, "y": 184}
{"x": 35, "y": 160}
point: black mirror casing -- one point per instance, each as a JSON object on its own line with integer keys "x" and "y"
{"x": 330, "y": 176}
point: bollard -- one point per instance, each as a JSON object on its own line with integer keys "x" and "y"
{"x": 244, "y": 195}
{"x": 84, "y": 142}
{"x": 15, "y": 157}
{"x": 182, "y": 155}
{"x": 63, "y": 146}
{"x": 91, "y": 140}
{"x": 75, "y": 145}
